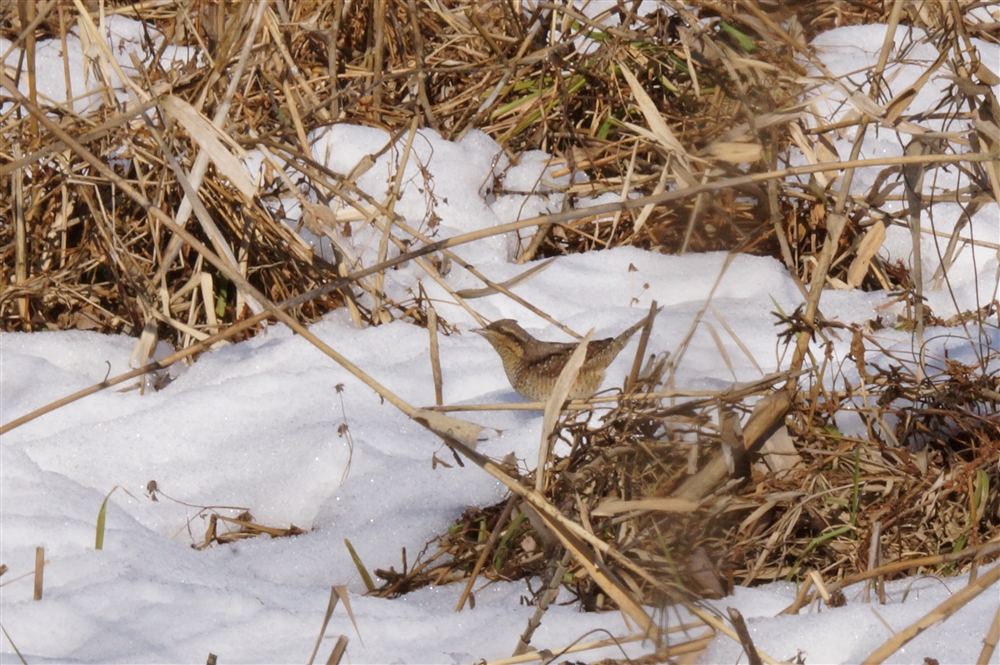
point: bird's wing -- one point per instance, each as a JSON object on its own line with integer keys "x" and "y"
{"x": 546, "y": 350}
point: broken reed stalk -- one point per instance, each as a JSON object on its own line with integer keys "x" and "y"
{"x": 20, "y": 237}
{"x": 746, "y": 641}
{"x": 720, "y": 626}
{"x": 547, "y": 597}
{"x": 339, "y": 649}
{"x": 553, "y": 407}
{"x": 640, "y": 351}
{"x": 432, "y": 330}
{"x": 39, "y": 572}
{"x": 693, "y": 646}
{"x": 29, "y": 28}
{"x": 331, "y": 605}
{"x": 990, "y": 641}
{"x": 767, "y": 414}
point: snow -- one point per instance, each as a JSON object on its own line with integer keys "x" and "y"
{"x": 849, "y": 634}
{"x": 54, "y": 64}
{"x": 254, "y": 426}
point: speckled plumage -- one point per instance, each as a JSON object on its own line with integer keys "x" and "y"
{"x": 533, "y": 366}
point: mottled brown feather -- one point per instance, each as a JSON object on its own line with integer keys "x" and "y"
{"x": 533, "y": 366}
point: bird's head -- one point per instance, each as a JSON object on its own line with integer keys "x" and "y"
{"x": 507, "y": 338}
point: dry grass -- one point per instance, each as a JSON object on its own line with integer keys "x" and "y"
{"x": 91, "y": 258}
{"x": 694, "y": 120}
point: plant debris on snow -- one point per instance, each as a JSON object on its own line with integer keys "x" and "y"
{"x": 684, "y": 495}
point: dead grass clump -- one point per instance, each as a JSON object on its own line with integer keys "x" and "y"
{"x": 919, "y": 477}
{"x": 553, "y": 79}
{"x": 628, "y": 104}
{"x": 695, "y": 107}
{"x": 627, "y": 479}
{"x": 507, "y": 541}
{"x": 911, "y": 489}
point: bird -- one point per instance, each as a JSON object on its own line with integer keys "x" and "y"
{"x": 533, "y": 366}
